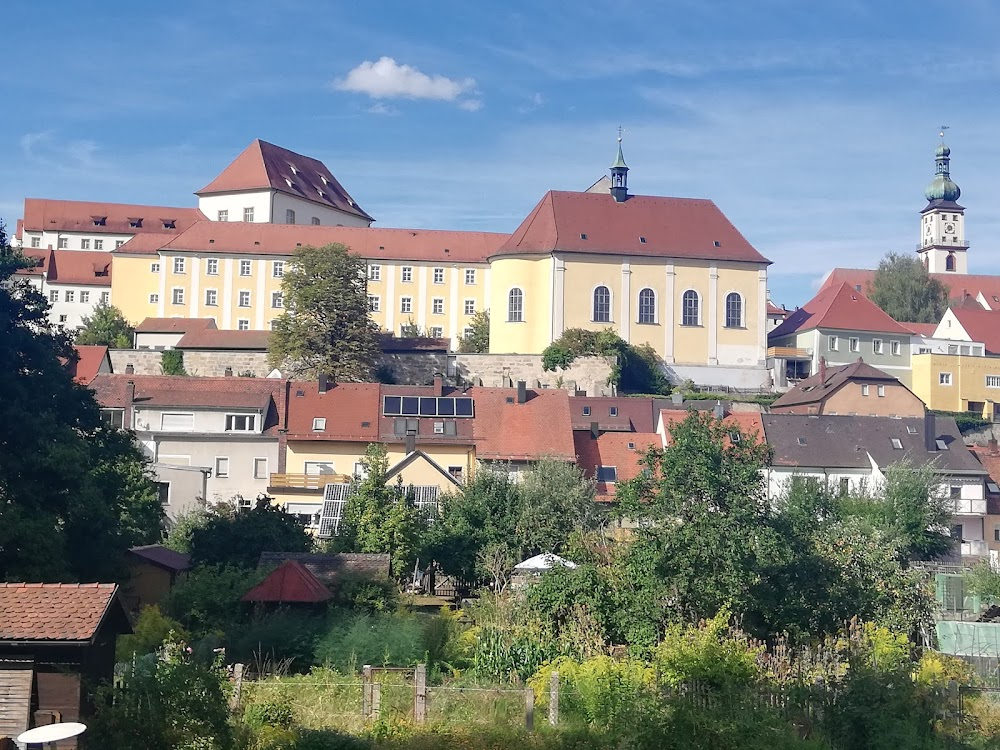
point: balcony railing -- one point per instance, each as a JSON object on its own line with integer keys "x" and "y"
{"x": 970, "y": 507}
{"x": 975, "y": 548}
{"x": 788, "y": 352}
{"x": 942, "y": 244}
{"x": 305, "y": 481}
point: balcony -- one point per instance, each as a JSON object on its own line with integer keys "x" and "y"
{"x": 970, "y": 506}
{"x": 788, "y": 352}
{"x": 975, "y": 548}
{"x": 942, "y": 244}
{"x": 311, "y": 483}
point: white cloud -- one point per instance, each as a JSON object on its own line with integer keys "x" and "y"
{"x": 471, "y": 105}
{"x": 387, "y": 79}
{"x": 535, "y": 101}
{"x": 44, "y": 147}
{"x": 381, "y": 108}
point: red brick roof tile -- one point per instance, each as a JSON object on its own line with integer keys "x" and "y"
{"x": 88, "y": 362}
{"x": 43, "y": 214}
{"x": 539, "y": 428}
{"x": 841, "y": 308}
{"x": 750, "y": 423}
{"x": 290, "y": 582}
{"x": 981, "y": 325}
{"x": 351, "y": 411}
{"x": 211, "y": 338}
{"x": 959, "y": 285}
{"x": 623, "y": 450}
{"x": 54, "y": 611}
{"x": 633, "y": 414}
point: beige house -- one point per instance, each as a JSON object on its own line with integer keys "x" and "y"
{"x": 857, "y": 388}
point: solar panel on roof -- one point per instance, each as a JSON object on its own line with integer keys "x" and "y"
{"x": 411, "y": 406}
{"x": 463, "y": 407}
{"x": 428, "y": 407}
{"x": 392, "y": 406}
{"x": 446, "y": 407}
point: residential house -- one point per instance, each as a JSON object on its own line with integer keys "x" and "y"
{"x": 166, "y": 333}
{"x": 838, "y": 325}
{"x": 745, "y": 422}
{"x": 90, "y": 361}
{"x": 775, "y": 315}
{"x": 74, "y": 282}
{"x": 610, "y": 458}
{"x": 222, "y": 429}
{"x": 57, "y": 644}
{"x": 989, "y": 457}
{"x": 153, "y": 570}
{"x": 848, "y": 453}
{"x": 857, "y": 388}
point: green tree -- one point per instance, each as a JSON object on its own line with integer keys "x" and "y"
{"x": 239, "y": 539}
{"x": 75, "y": 494}
{"x": 172, "y": 362}
{"x": 902, "y": 287}
{"x": 556, "y": 500}
{"x": 106, "y": 326}
{"x": 326, "y": 326}
{"x": 635, "y": 368}
{"x": 477, "y": 340}
{"x": 379, "y": 516}
{"x": 207, "y": 599}
{"x": 182, "y": 528}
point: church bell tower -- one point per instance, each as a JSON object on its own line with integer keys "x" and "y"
{"x": 943, "y": 247}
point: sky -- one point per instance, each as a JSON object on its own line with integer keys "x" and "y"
{"x": 811, "y": 125}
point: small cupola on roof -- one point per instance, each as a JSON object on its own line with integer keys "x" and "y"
{"x": 619, "y": 174}
{"x": 942, "y": 187}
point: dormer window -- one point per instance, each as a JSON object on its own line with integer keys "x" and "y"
{"x": 288, "y": 182}
{"x": 642, "y": 240}
{"x": 169, "y": 223}
{"x": 319, "y": 424}
{"x": 321, "y": 193}
{"x": 294, "y": 170}
{"x": 323, "y": 178}
{"x": 100, "y": 221}
{"x": 135, "y": 223}
{"x": 583, "y": 236}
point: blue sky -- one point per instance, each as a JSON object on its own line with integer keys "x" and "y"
{"x": 812, "y": 125}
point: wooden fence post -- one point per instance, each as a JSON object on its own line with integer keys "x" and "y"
{"x": 420, "y": 694}
{"x": 554, "y": 699}
{"x": 237, "y": 697}
{"x": 529, "y": 709}
{"x": 376, "y": 700}
{"x": 366, "y": 691}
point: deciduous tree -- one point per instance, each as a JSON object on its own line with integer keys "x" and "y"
{"x": 106, "y": 326}
{"x": 903, "y": 289}
{"x": 477, "y": 340}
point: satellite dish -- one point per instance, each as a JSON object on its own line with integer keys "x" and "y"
{"x": 51, "y": 733}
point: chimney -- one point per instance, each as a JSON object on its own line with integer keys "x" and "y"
{"x": 411, "y": 442}
{"x": 718, "y": 411}
{"x": 438, "y": 384}
{"x": 930, "y": 432}
{"x": 991, "y": 444}
{"x": 822, "y": 369}
{"x": 324, "y": 383}
{"x": 228, "y": 372}
{"x": 130, "y": 392}
{"x": 522, "y": 392}
{"x": 595, "y": 430}
{"x": 130, "y": 369}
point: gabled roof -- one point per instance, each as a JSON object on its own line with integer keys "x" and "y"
{"x": 641, "y": 226}
{"x": 773, "y": 309}
{"x": 845, "y": 442}
{"x": 959, "y": 285}
{"x": 816, "y": 388}
{"x": 981, "y": 325}
{"x": 748, "y": 422}
{"x": 64, "y": 612}
{"x": 174, "y": 325}
{"x": 539, "y": 428}
{"x": 327, "y": 568}
{"x": 88, "y": 363}
{"x": 212, "y": 338}
{"x": 264, "y": 166}
{"x": 351, "y": 411}
{"x": 920, "y": 329}
{"x": 623, "y": 450}
{"x": 162, "y": 557}
{"x": 241, "y": 238}
{"x": 77, "y": 267}
{"x": 290, "y": 582}
{"x": 419, "y": 455}
{"x": 633, "y": 414}
{"x": 45, "y": 215}
{"x": 841, "y": 308}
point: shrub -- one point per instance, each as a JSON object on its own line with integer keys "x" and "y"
{"x": 172, "y": 362}
{"x": 366, "y": 593}
{"x": 207, "y": 599}
{"x": 281, "y": 635}
{"x": 636, "y": 368}
{"x": 705, "y": 654}
{"x": 376, "y": 639}
{"x": 269, "y": 713}
{"x": 151, "y": 630}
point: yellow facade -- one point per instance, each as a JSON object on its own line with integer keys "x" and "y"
{"x": 533, "y": 277}
{"x": 953, "y": 382}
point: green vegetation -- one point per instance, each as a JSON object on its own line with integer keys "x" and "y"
{"x": 477, "y": 341}
{"x": 106, "y": 326}
{"x": 172, "y": 362}
{"x": 326, "y": 326}
{"x": 966, "y": 421}
{"x": 635, "y": 369}
{"x": 238, "y": 537}
{"x": 902, "y": 287}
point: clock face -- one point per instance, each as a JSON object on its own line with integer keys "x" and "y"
{"x": 949, "y": 228}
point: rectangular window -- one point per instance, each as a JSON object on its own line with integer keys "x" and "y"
{"x": 613, "y": 411}
{"x": 105, "y": 297}
{"x": 163, "y": 492}
{"x": 277, "y": 300}
{"x": 212, "y": 266}
{"x": 246, "y": 267}
{"x": 845, "y": 485}
{"x": 437, "y": 306}
{"x": 374, "y": 272}
{"x": 586, "y": 411}
{"x": 457, "y": 473}
{"x": 435, "y": 332}
{"x": 607, "y": 474}
{"x": 406, "y": 304}
{"x": 834, "y": 343}
{"x": 211, "y": 297}
{"x": 63, "y": 318}
{"x": 154, "y": 267}
{"x": 85, "y": 297}
{"x": 54, "y": 295}
{"x": 62, "y": 243}
{"x": 223, "y": 215}
{"x": 119, "y": 243}
{"x": 374, "y": 303}
{"x": 894, "y": 348}
{"x": 85, "y": 244}
{"x": 944, "y": 378}
{"x": 99, "y": 244}
{"x": 177, "y": 422}
{"x": 470, "y": 307}
{"x": 179, "y": 265}
{"x": 996, "y": 532}
{"x": 240, "y": 422}
{"x": 876, "y": 346}
{"x": 243, "y": 324}
{"x": 864, "y": 389}
{"x": 854, "y": 344}
{"x": 318, "y": 468}
{"x": 177, "y": 296}
{"x": 260, "y": 468}
{"x": 881, "y": 391}
{"x": 70, "y": 295}
{"x": 438, "y": 275}
{"x": 407, "y": 274}
{"x": 319, "y": 424}
{"x": 248, "y": 214}
{"x": 36, "y": 241}
{"x": 244, "y": 298}
{"x": 114, "y": 417}
{"x": 955, "y": 492}
{"x": 470, "y": 276}
{"x": 154, "y": 299}
{"x": 278, "y": 269}
{"x": 221, "y": 467}
{"x": 314, "y": 221}
{"x": 289, "y": 216}
{"x": 993, "y": 381}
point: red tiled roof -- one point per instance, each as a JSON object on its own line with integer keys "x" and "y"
{"x": 539, "y": 428}
{"x": 289, "y": 582}
{"x": 82, "y": 267}
{"x": 990, "y": 460}
{"x": 54, "y": 611}
{"x": 596, "y": 223}
{"x": 634, "y": 414}
{"x": 959, "y": 285}
{"x": 773, "y": 309}
{"x": 612, "y": 449}
{"x": 43, "y": 214}
{"x": 840, "y": 308}
{"x": 351, "y": 411}
{"x": 981, "y": 325}
{"x": 18, "y": 228}
{"x": 174, "y": 325}
{"x": 42, "y": 261}
{"x": 920, "y": 329}
{"x": 748, "y": 422}
{"x": 211, "y": 338}
{"x": 264, "y": 166}
{"x": 88, "y": 363}
{"x": 235, "y": 237}
{"x": 162, "y": 557}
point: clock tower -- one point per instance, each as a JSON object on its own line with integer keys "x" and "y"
{"x": 943, "y": 246}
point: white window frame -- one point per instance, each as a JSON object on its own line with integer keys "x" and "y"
{"x": 639, "y": 307}
{"x": 519, "y": 316}
{"x": 257, "y": 474}
{"x": 319, "y": 424}
{"x": 854, "y": 344}
{"x": 438, "y": 275}
{"x": 105, "y": 297}
{"x": 222, "y": 467}
{"x": 211, "y": 298}
{"x": 469, "y": 307}
{"x": 610, "y": 305}
{"x": 864, "y": 389}
{"x": 374, "y": 303}
{"x": 277, "y": 300}
{"x": 53, "y": 295}
{"x": 406, "y": 304}
{"x": 243, "y": 324}
{"x": 437, "y": 306}
{"x": 697, "y": 308}
{"x": 993, "y": 381}
{"x": 85, "y": 244}
{"x": 85, "y": 297}
{"x": 70, "y": 295}
{"x": 895, "y": 348}
{"x": 165, "y": 414}
{"x": 470, "y": 276}
{"x": 944, "y": 378}
{"x": 877, "y": 346}
{"x": 98, "y": 244}
{"x": 246, "y": 267}
{"x": 248, "y": 214}
{"x": 741, "y": 311}
{"x": 406, "y": 275}
{"x": 62, "y": 243}
{"x": 212, "y": 267}
{"x": 180, "y": 265}
{"x": 154, "y": 267}
{"x": 244, "y": 298}
{"x": 435, "y": 332}
{"x": 374, "y": 272}
{"x": 833, "y": 343}
{"x": 289, "y": 216}
{"x": 177, "y": 295}
{"x": 222, "y": 215}
{"x": 36, "y": 241}
{"x": 277, "y": 269}
{"x": 231, "y": 419}
{"x": 880, "y": 391}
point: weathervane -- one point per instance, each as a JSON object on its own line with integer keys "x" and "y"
{"x": 943, "y": 128}
{"x": 620, "y": 131}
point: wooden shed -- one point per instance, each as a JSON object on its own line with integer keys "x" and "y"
{"x": 289, "y": 583}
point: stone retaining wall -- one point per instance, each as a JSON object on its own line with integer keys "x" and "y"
{"x": 197, "y": 363}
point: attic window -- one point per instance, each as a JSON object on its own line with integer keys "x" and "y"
{"x": 256, "y": 242}
{"x": 992, "y": 487}
{"x": 320, "y": 191}
{"x": 288, "y": 182}
{"x": 211, "y": 242}
{"x": 717, "y": 243}
{"x": 323, "y": 178}
{"x": 135, "y": 223}
{"x": 319, "y": 424}
{"x": 857, "y": 287}
{"x": 801, "y": 441}
{"x": 586, "y": 411}
{"x": 897, "y": 444}
{"x": 607, "y": 474}
{"x": 737, "y": 437}
{"x": 941, "y": 445}
{"x": 613, "y": 411}
{"x": 642, "y": 240}
{"x": 300, "y": 394}
{"x": 298, "y": 244}
{"x": 100, "y": 221}
{"x": 169, "y": 223}
{"x": 583, "y": 236}
{"x": 631, "y": 446}
{"x": 366, "y": 424}
{"x": 292, "y": 167}
{"x": 911, "y": 429}
{"x": 510, "y": 399}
